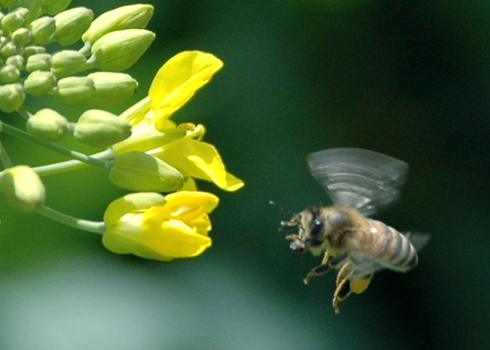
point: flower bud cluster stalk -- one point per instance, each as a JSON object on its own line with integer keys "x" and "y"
{"x": 143, "y": 150}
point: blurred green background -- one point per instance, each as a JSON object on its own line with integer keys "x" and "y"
{"x": 409, "y": 79}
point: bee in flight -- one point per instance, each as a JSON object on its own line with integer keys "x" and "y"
{"x": 359, "y": 183}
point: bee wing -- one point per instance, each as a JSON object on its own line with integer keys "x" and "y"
{"x": 418, "y": 240}
{"x": 355, "y": 178}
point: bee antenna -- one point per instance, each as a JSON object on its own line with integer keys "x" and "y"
{"x": 281, "y": 207}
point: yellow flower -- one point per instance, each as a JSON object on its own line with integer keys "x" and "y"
{"x": 175, "y": 83}
{"x": 178, "y": 80}
{"x": 161, "y": 228}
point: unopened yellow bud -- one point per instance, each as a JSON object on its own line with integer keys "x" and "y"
{"x": 124, "y": 17}
{"x": 71, "y": 24}
{"x": 9, "y": 74}
{"x": 67, "y": 62}
{"x": 117, "y": 51}
{"x": 42, "y": 30}
{"x": 39, "y": 83}
{"x": 48, "y": 125}
{"x": 40, "y": 61}
{"x": 23, "y": 188}
{"x": 12, "y": 96}
{"x": 100, "y": 128}
{"x": 111, "y": 89}
{"x": 74, "y": 90}
{"x": 138, "y": 171}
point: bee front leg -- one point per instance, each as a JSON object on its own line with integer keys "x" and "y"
{"x": 325, "y": 266}
{"x": 343, "y": 290}
{"x": 320, "y": 269}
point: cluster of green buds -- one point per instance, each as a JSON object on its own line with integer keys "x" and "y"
{"x": 142, "y": 149}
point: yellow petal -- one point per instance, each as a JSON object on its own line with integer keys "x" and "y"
{"x": 194, "y": 158}
{"x": 185, "y": 206}
{"x": 174, "y": 239}
{"x": 178, "y": 80}
{"x": 233, "y": 183}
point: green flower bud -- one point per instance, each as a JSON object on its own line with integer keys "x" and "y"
{"x": 54, "y": 7}
{"x": 39, "y": 83}
{"x": 12, "y": 96}
{"x": 74, "y": 90}
{"x": 23, "y": 188}
{"x": 124, "y": 17}
{"x": 17, "y": 61}
{"x": 138, "y": 171}
{"x": 9, "y": 49}
{"x": 48, "y": 125}
{"x": 40, "y": 61}
{"x": 100, "y": 128}
{"x": 34, "y": 6}
{"x": 42, "y": 30}
{"x": 21, "y": 36}
{"x": 33, "y": 50}
{"x": 14, "y": 20}
{"x": 146, "y": 139}
{"x": 111, "y": 89}
{"x": 71, "y": 24}
{"x": 67, "y": 62}
{"x": 9, "y": 74}
{"x": 119, "y": 50}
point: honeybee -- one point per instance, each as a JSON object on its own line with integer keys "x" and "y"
{"x": 359, "y": 183}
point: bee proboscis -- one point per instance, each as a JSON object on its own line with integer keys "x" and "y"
{"x": 359, "y": 183}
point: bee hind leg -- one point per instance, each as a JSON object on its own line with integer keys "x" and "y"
{"x": 343, "y": 289}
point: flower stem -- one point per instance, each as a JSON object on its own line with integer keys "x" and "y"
{"x": 70, "y": 165}
{"x": 86, "y": 225}
{"x": 8, "y": 129}
{"x": 4, "y": 157}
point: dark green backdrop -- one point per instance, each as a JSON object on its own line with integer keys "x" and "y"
{"x": 408, "y": 79}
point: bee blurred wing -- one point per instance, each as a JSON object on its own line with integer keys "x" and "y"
{"x": 418, "y": 240}
{"x": 355, "y": 178}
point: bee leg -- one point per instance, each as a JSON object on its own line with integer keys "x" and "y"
{"x": 342, "y": 292}
{"x": 325, "y": 266}
{"x": 320, "y": 269}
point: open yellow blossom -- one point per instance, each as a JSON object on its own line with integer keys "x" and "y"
{"x": 161, "y": 228}
{"x": 153, "y": 132}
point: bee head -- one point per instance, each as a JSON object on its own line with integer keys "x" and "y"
{"x": 311, "y": 227}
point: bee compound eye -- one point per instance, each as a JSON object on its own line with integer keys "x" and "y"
{"x": 316, "y": 226}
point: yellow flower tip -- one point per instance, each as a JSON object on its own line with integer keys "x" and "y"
{"x": 200, "y": 160}
{"x": 153, "y": 227}
{"x": 178, "y": 80}
{"x": 233, "y": 183}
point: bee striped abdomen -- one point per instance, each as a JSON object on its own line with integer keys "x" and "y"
{"x": 391, "y": 247}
